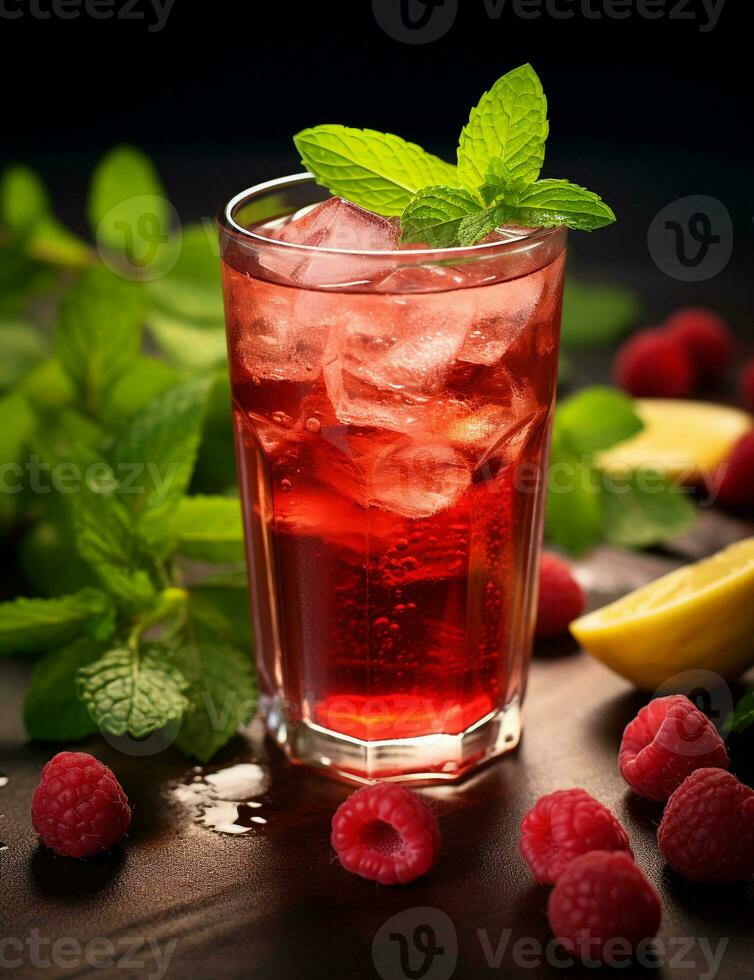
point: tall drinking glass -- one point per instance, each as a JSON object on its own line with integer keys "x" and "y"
{"x": 392, "y": 413}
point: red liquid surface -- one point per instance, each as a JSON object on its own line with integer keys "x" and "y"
{"x": 390, "y": 451}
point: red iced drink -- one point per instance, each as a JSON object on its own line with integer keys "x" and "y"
{"x": 392, "y": 411}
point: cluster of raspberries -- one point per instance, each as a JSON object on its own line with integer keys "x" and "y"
{"x": 601, "y": 901}
{"x": 693, "y": 348}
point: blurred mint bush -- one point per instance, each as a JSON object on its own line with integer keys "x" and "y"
{"x": 119, "y": 493}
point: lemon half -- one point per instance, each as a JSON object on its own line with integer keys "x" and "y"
{"x": 684, "y": 439}
{"x": 698, "y": 617}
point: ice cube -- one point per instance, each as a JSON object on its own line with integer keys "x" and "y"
{"x": 504, "y": 311}
{"x": 418, "y": 477}
{"x": 390, "y": 354}
{"x": 335, "y": 224}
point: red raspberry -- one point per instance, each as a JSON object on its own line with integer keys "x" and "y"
{"x": 653, "y": 364}
{"x": 732, "y": 486}
{"x": 79, "y": 807}
{"x": 746, "y": 386}
{"x": 707, "y": 830}
{"x": 707, "y": 339}
{"x": 602, "y": 904}
{"x": 385, "y": 833}
{"x": 561, "y": 598}
{"x": 668, "y": 739}
{"x": 563, "y": 826}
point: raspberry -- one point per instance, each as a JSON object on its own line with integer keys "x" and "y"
{"x": 385, "y": 833}
{"x": 561, "y": 599}
{"x": 707, "y": 830}
{"x": 653, "y": 364}
{"x": 732, "y": 486}
{"x": 706, "y": 338}
{"x": 602, "y": 904}
{"x": 79, "y": 807}
{"x": 667, "y": 740}
{"x": 746, "y": 386}
{"x": 563, "y": 826}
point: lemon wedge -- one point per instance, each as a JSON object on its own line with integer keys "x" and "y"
{"x": 684, "y": 439}
{"x": 698, "y": 617}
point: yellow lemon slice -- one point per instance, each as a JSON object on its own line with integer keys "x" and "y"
{"x": 698, "y": 617}
{"x": 684, "y": 439}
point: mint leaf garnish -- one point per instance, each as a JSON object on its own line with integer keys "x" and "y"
{"x": 39, "y": 624}
{"x": 550, "y": 203}
{"x": 508, "y": 124}
{"x": 500, "y": 156}
{"x": 208, "y": 529}
{"x": 134, "y": 692}
{"x": 53, "y": 711}
{"x": 99, "y": 333}
{"x": 642, "y": 512}
{"x": 377, "y": 171}
{"x": 596, "y": 314}
{"x": 597, "y": 418}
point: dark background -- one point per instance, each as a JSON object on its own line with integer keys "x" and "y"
{"x": 642, "y": 111}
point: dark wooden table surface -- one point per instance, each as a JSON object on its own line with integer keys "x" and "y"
{"x": 179, "y": 899}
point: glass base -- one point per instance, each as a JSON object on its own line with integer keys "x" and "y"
{"x": 425, "y": 759}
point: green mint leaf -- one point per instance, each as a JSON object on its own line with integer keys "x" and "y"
{"x": 575, "y": 512}
{"x": 22, "y": 347}
{"x": 39, "y": 624}
{"x": 477, "y": 226}
{"x": 140, "y": 383}
{"x": 132, "y": 692}
{"x": 643, "y": 510}
{"x": 510, "y": 124}
{"x": 220, "y": 607}
{"x": 107, "y": 541}
{"x": 128, "y": 210}
{"x": 162, "y": 442}
{"x": 98, "y": 333}
{"x": 222, "y": 694}
{"x": 434, "y": 214}
{"x": 551, "y": 203}
{"x": 188, "y": 344}
{"x": 208, "y": 529}
{"x": 377, "y": 171}
{"x": 49, "y": 561}
{"x": 595, "y": 315}
{"x": 500, "y": 182}
{"x": 596, "y": 418}
{"x": 20, "y": 278}
{"x": 25, "y": 209}
{"x": 742, "y": 717}
{"x": 53, "y": 711}
{"x": 191, "y": 291}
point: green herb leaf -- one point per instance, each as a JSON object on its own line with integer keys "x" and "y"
{"x": 188, "y": 344}
{"x": 39, "y": 624}
{"x": 509, "y": 124}
{"x": 140, "y": 383}
{"x": 191, "y": 292}
{"x": 132, "y": 692}
{"x": 742, "y": 717}
{"x": 575, "y": 511}
{"x": 551, "y": 203}
{"x": 220, "y": 607}
{"x": 208, "y": 529}
{"x": 22, "y": 348}
{"x": 644, "y": 509}
{"x": 434, "y": 214}
{"x": 222, "y": 695}
{"x": 377, "y": 171}
{"x": 128, "y": 210}
{"x": 53, "y": 711}
{"x": 596, "y": 314}
{"x": 596, "y": 418}
{"x": 99, "y": 332}
{"x": 107, "y": 541}
{"x": 162, "y": 441}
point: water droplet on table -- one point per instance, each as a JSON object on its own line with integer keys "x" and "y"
{"x": 224, "y": 801}
{"x": 3, "y": 779}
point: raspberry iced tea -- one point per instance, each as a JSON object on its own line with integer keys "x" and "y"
{"x": 392, "y": 411}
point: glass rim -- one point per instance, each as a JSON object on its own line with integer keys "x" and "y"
{"x": 228, "y": 224}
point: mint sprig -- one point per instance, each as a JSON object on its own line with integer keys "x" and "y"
{"x": 500, "y": 155}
